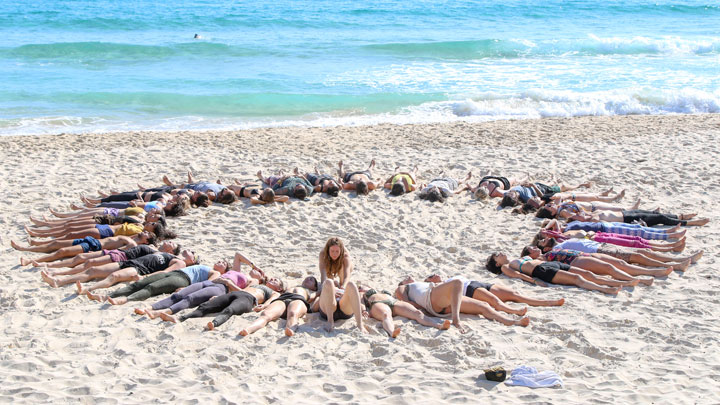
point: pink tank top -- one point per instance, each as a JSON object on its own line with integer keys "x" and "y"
{"x": 238, "y": 278}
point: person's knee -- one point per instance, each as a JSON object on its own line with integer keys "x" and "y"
{"x": 328, "y": 284}
{"x": 292, "y": 313}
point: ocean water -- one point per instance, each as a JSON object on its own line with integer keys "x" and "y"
{"x": 101, "y": 65}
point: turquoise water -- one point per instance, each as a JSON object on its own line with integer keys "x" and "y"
{"x": 93, "y": 66}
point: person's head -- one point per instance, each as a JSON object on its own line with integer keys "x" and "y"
{"x": 221, "y": 266}
{"x": 495, "y": 262}
{"x": 189, "y": 257}
{"x": 532, "y": 251}
{"x": 171, "y": 247}
{"x": 201, "y": 199}
{"x": 155, "y": 215}
{"x": 179, "y": 208}
{"x": 434, "y": 278}
{"x": 268, "y": 195}
{"x": 548, "y": 211}
{"x": 545, "y": 244}
{"x": 333, "y": 255}
{"x": 398, "y": 188}
{"x": 361, "y": 187}
{"x": 510, "y": 199}
{"x": 482, "y": 192}
{"x": 300, "y": 192}
{"x": 275, "y": 284}
{"x": 330, "y": 187}
{"x": 147, "y": 238}
{"x": 311, "y": 283}
{"x": 161, "y": 231}
{"x": 436, "y": 194}
{"x": 226, "y": 196}
{"x": 407, "y": 280}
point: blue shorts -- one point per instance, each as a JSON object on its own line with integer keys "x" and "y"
{"x": 88, "y": 243}
{"x": 105, "y": 231}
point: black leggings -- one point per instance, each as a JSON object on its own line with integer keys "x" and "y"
{"x": 651, "y": 218}
{"x": 152, "y": 285}
{"x": 235, "y": 303}
{"x": 129, "y": 196}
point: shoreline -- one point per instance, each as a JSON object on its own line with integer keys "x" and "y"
{"x": 633, "y": 348}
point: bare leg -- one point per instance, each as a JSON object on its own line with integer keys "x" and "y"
{"x": 632, "y": 269}
{"x": 295, "y": 311}
{"x": 127, "y": 274}
{"x": 383, "y": 313}
{"x": 87, "y": 275}
{"x": 406, "y": 310}
{"x": 474, "y": 307}
{"x": 447, "y": 294}
{"x": 484, "y": 295}
{"x": 271, "y": 313}
{"x": 567, "y": 278}
{"x": 328, "y": 303}
{"x": 590, "y": 276}
{"x": 598, "y": 266}
{"x": 506, "y": 294}
{"x": 351, "y": 301}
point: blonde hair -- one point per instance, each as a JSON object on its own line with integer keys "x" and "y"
{"x": 333, "y": 267}
{"x": 481, "y": 193}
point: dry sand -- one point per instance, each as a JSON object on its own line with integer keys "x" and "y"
{"x": 649, "y": 344}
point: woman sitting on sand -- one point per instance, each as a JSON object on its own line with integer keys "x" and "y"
{"x": 645, "y": 257}
{"x": 322, "y": 183}
{"x": 540, "y": 272}
{"x": 339, "y": 299}
{"x": 161, "y": 283}
{"x": 360, "y": 181}
{"x": 617, "y": 228}
{"x": 87, "y": 245}
{"x": 382, "y": 306}
{"x": 447, "y": 298}
{"x": 130, "y": 270}
{"x": 443, "y": 187}
{"x": 293, "y": 186}
{"x": 597, "y": 263}
{"x": 495, "y": 294}
{"x": 198, "y": 293}
{"x": 291, "y": 305}
{"x": 400, "y": 183}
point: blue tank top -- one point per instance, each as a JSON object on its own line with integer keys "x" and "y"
{"x": 524, "y": 193}
{"x": 149, "y": 206}
{"x": 197, "y": 273}
{"x": 206, "y": 186}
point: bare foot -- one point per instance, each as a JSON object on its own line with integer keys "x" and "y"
{"x": 152, "y": 314}
{"x": 75, "y": 207}
{"x": 24, "y": 261}
{"x": 243, "y": 332}
{"x": 259, "y": 175}
{"x": 79, "y": 288}
{"x": 647, "y": 281}
{"x": 445, "y": 325}
{"x": 48, "y": 279}
{"x": 289, "y": 332}
{"x": 700, "y": 222}
{"x": 210, "y": 326}
{"x": 166, "y": 317}
{"x": 680, "y": 247}
{"x": 636, "y": 205}
{"x": 632, "y": 283}
{"x": 613, "y": 291}
{"x": 682, "y": 266}
{"x": 460, "y": 327}
{"x": 696, "y": 257}
{"x": 684, "y": 217}
{"x": 668, "y": 271}
{"x": 117, "y": 301}
{"x": 673, "y": 229}
{"x": 139, "y": 311}
{"x": 559, "y": 302}
{"x": 521, "y": 312}
{"x": 396, "y": 332}
{"x": 620, "y": 196}
{"x": 524, "y": 321}
{"x": 97, "y": 297}
{"x": 16, "y": 246}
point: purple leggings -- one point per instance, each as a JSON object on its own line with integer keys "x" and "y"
{"x": 191, "y": 296}
{"x": 622, "y": 240}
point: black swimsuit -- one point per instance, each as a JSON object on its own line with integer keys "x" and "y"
{"x": 254, "y": 191}
{"x": 547, "y": 271}
{"x": 347, "y": 176}
{"x": 505, "y": 182}
{"x": 287, "y": 298}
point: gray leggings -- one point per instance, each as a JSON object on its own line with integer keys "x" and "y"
{"x": 152, "y": 285}
{"x": 191, "y": 296}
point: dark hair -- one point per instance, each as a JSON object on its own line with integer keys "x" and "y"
{"x": 152, "y": 238}
{"x": 226, "y": 198}
{"x": 398, "y": 189}
{"x": 300, "y": 193}
{"x": 163, "y": 232}
{"x": 177, "y": 250}
{"x": 525, "y": 208}
{"x": 492, "y": 265}
{"x": 333, "y": 190}
{"x": 434, "y": 194}
{"x": 361, "y": 187}
{"x": 177, "y": 210}
{"x": 316, "y": 282}
{"x": 525, "y": 251}
{"x": 544, "y": 212}
{"x": 161, "y": 220}
{"x": 268, "y": 195}
{"x": 509, "y": 200}
{"x": 203, "y": 200}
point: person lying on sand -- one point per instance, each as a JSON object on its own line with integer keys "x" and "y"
{"x": 441, "y": 188}
{"x": 644, "y": 232}
{"x": 322, "y": 183}
{"x": 383, "y": 306}
{"x": 361, "y": 181}
{"x": 540, "y": 272}
{"x": 447, "y": 298}
{"x": 112, "y": 217}
{"x": 293, "y": 186}
{"x": 495, "y": 294}
{"x": 97, "y": 232}
{"x": 616, "y": 239}
{"x": 400, "y": 183}
{"x": 216, "y": 192}
{"x": 649, "y": 218}
{"x": 88, "y": 246}
{"x": 291, "y": 305}
{"x": 494, "y": 186}
{"x": 523, "y": 192}
{"x": 92, "y": 259}
{"x": 645, "y": 257}
{"x": 567, "y": 208}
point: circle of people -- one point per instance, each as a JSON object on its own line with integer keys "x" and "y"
{"x": 586, "y": 240}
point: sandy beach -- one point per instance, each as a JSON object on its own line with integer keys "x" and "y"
{"x": 656, "y": 344}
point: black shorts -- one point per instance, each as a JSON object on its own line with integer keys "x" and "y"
{"x": 287, "y": 298}
{"x": 547, "y": 271}
{"x": 338, "y": 315}
{"x": 474, "y": 285}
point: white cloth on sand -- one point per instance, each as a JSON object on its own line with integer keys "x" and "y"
{"x": 526, "y": 376}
